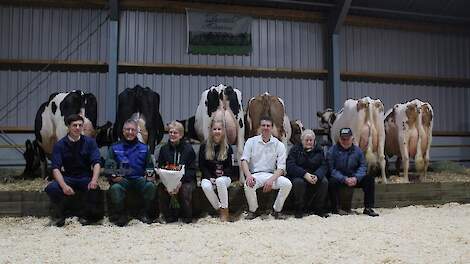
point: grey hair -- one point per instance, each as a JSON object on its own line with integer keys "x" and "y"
{"x": 131, "y": 121}
{"x": 307, "y": 132}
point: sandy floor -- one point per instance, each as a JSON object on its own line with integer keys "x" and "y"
{"x": 403, "y": 235}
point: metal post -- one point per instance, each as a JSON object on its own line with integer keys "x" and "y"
{"x": 111, "y": 98}
{"x": 335, "y": 22}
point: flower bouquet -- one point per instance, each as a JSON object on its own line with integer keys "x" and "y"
{"x": 171, "y": 175}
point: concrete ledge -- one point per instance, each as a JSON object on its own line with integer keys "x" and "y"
{"x": 22, "y": 203}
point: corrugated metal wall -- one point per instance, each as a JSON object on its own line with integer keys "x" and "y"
{"x": 160, "y": 38}
{"x": 403, "y": 52}
{"x": 36, "y": 89}
{"x": 150, "y": 37}
{"x": 302, "y": 97}
{"x": 41, "y": 33}
{"x": 450, "y": 104}
{"x": 412, "y": 53}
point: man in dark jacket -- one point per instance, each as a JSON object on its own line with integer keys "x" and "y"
{"x": 75, "y": 167}
{"x": 307, "y": 168}
{"x": 132, "y": 159}
{"x": 177, "y": 152}
{"x": 348, "y": 169}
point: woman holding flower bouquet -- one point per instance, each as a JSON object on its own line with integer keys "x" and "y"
{"x": 177, "y": 155}
{"x": 215, "y": 162}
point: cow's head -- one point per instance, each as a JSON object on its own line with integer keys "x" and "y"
{"x": 32, "y": 156}
{"x": 104, "y": 135}
{"x": 326, "y": 118}
{"x": 297, "y": 129}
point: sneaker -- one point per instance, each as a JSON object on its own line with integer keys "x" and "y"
{"x": 278, "y": 215}
{"x": 344, "y": 212}
{"x": 85, "y": 221}
{"x": 322, "y": 214}
{"x": 370, "y": 212}
{"x": 122, "y": 221}
{"x": 59, "y": 222}
{"x": 299, "y": 214}
{"x": 145, "y": 219}
{"x": 187, "y": 220}
{"x": 251, "y": 215}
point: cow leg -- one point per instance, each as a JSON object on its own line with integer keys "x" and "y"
{"x": 398, "y": 166}
{"x": 240, "y": 143}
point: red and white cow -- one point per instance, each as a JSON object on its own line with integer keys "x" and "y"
{"x": 222, "y": 102}
{"x": 365, "y": 117}
{"x": 272, "y": 106}
{"x": 408, "y": 129}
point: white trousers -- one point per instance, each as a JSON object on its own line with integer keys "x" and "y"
{"x": 282, "y": 183}
{"x": 221, "y": 183}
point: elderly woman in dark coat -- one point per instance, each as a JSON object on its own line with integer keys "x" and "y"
{"x": 307, "y": 168}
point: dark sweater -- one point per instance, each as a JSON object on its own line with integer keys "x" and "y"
{"x": 181, "y": 154}
{"x": 75, "y": 159}
{"x": 208, "y": 167}
{"x": 300, "y": 162}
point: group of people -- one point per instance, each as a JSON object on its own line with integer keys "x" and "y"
{"x": 304, "y": 174}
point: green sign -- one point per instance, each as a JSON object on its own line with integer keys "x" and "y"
{"x": 218, "y": 33}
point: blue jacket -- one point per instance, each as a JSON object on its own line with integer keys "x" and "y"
{"x": 75, "y": 159}
{"x": 345, "y": 163}
{"x": 135, "y": 153}
{"x": 300, "y": 162}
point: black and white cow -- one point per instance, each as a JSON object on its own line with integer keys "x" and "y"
{"x": 142, "y": 105}
{"x": 222, "y": 102}
{"x": 49, "y": 125}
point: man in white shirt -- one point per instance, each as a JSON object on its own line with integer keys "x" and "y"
{"x": 264, "y": 164}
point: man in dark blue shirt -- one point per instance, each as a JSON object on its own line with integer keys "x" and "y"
{"x": 75, "y": 167}
{"x": 348, "y": 169}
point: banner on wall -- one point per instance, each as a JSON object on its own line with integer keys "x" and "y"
{"x": 217, "y": 33}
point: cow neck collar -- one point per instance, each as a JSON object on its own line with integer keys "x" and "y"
{"x": 73, "y": 140}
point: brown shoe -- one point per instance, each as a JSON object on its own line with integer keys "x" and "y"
{"x": 224, "y": 215}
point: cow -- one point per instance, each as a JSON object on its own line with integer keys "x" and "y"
{"x": 408, "y": 130}
{"x": 272, "y": 106}
{"x": 49, "y": 126}
{"x": 365, "y": 117}
{"x": 297, "y": 128}
{"x": 142, "y": 105}
{"x": 222, "y": 102}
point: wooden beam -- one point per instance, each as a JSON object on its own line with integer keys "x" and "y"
{"x": 235, "y": 70}
{"x": 404, "y": 79}
{"x": 53, "y": 65}
{"x": 221, "y": 70}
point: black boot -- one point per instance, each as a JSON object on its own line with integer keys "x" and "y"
{"x": 58, "y": 214}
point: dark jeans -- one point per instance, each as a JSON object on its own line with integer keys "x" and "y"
{"x": 368, "y": 187}
{"x": 185, "y": 196}
{"x": 140, "y": 185}
{"x": 309, "y": 197}
{"x": 56, "y": 195}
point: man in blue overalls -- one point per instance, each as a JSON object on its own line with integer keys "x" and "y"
{"x": 75, "y": 167}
